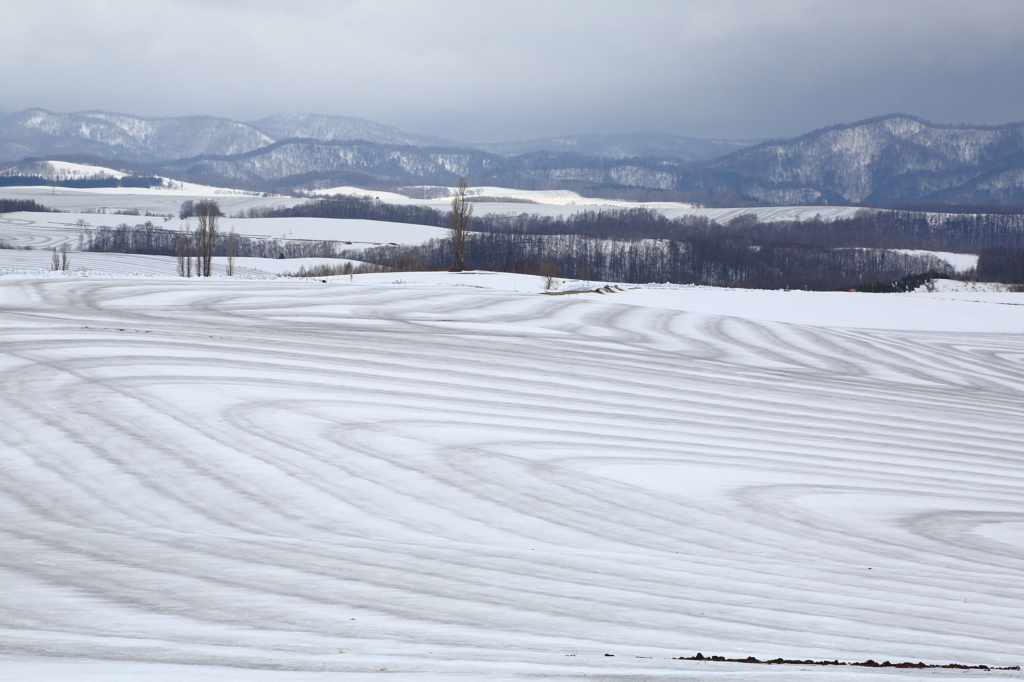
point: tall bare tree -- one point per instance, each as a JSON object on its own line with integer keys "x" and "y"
{"x": 459, "y": 218}
{"x": 206, "y": 236}
{"x": 232, "y": 247}
{"x": 183, "y": 251}
{"x": 64, "y": 264}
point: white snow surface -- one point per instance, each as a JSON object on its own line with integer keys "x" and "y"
{"x": 67, "y": 170}
{"x": 161, "y": 200}
{"x": 566, "y": 203}
{"x": 92, "y": 264}
{"x": 47, "y": 230}
{"x": 960, "y": 261}
{"x": 448, "y": 477}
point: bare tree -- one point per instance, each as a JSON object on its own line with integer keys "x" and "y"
{"x": 549, "y": 271}
{"x": 64, "y": 264}
{"x": 206, "y": 236}
{"x": 183, "y": 251}
{"x": 55, "y": 261}
{"x": 231, "y": 248}
{"x": 460, "y": 217}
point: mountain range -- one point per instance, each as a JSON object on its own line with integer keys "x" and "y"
{"x": 41, "y": 133}
{"x": 889, "y": 160}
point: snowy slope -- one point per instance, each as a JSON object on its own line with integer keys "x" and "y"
{"x": 94, "y": 264}
{"x": 565, "y": 203}
{"x": 47, "y": 230}
{"x": 160, "y": 200}
{"x": 241, "y": 480}
{"x": 62, "y": 170}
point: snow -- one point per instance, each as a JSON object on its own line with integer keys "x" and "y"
{"x": 567, "y": 203}
{"x": 67, "y": 170}
{"x": 454, "y": 476}
{"x": 960, "y": 261}
{"x": 361, "y": 233}
{"x": 159, "y": 200}
{"x": 91, "y": 263}
{"x": 46, "y": 230}
{"x": 955, "y": 286}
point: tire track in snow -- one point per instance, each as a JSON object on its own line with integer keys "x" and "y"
{"x": 500, "y": 478}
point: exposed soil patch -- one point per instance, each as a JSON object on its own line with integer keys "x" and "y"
{"x": 866, "y": 664}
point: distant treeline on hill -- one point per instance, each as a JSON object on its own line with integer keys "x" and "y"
{"x": 962, "y": 233}
{"x": 26, "y": 205}
{"x": 79, "y": 183}
{"x": 996, "y": 264}
{"x": 149, "y": 239}
{"x": 718, "y": 261}
{"x": 713, "y": 261}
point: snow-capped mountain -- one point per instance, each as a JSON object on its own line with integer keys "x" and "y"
{"x": 302, "y": 161}
{"x": 884, "y": 161}
{"x": 887, "y": 160}
{"x": 39, "y": 133}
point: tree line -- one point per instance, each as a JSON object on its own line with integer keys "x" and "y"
{"x": 22, "y": 205}
{"x": 80, "y": 183}
{"x": 1001, "y": 264}
{"x": 149, "y": 239}
{"x": 634, "y": 245}
{"x": 712, "y": 261}
{"x": 963, "y": 233}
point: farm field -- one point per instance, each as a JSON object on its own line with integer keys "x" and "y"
{"x": 456, "y": 476}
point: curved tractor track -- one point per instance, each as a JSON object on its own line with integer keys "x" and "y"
{"x": 224, "y": 478}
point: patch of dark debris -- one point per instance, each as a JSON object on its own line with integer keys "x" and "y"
{"x": 865, "y": 664}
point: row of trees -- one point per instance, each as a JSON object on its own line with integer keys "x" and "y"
{"x": 59, "y": 261}
{"x": 200, "y": 245}
{"x": 1000, "y": 264}
{"x": 714, "y": 261}
{"x": 79, "y": 183}
{"x": 965, "y": 233}
{"x": 147, "y": 238}
{"x": 635, "y": 245}
{"x": 18, "y": 205}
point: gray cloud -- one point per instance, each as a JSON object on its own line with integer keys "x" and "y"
{"x": 502, "y": 70}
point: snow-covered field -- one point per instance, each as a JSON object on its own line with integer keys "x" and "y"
{"x": 455, "y": 477}
{"x": 550, "y": 203}
{"x": 164, "y": 200}
{"x": 46, "y": 230}
{"x": 566, "y": 203}
{"x": 93, "y": 264}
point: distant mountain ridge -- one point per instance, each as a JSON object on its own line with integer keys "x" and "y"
{"x": 329, "y": 128}
{"x": 656, "y": 145}
{"x": 884, "y": 161}
{"x": 41, "y": 133}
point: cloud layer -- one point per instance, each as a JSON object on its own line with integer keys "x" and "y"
{"x": 501, "y": 70}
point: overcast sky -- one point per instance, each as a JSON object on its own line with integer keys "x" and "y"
{"x": 494, "y": 70}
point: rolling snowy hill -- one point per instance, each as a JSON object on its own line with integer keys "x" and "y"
{"x": 291, "y": 480}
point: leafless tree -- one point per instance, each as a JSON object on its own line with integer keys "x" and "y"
{"x": 231, "y": 248}
{"x": 55, "y": 261}
{"x": 460, "y": 217}
{"x": 549, "y": 271}
{"x": 183, "y": 251}
{"x": 64, "y": 264}
{"x": 206, "y": 236}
